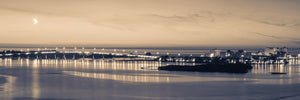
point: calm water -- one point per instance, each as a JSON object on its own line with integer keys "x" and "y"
{"x": 25, "y": 79}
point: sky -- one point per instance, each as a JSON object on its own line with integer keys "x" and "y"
{"x": 148, "y": 23}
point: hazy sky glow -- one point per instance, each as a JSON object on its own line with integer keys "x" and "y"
{"x": 151, "y": 22}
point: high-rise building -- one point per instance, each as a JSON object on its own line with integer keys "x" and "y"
{"x": 217, "y": 53}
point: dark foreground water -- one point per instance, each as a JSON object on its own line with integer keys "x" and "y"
{"x": 26, "y": 79}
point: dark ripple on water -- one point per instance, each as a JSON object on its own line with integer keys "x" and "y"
{"x": 2, "y": 81}
{"x": 29, "y": 98}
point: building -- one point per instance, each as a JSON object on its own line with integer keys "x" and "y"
{"x": 260, "y": 53}
{"x": 217, "y": 53}
{"x": 271, "y": 51}
{"x": 248, "y": 54}
{"x": 284, "y": 49}
{"x": 275, "y": 50}
{"x": 223, "y": 54}
{"x": 229, "y": 53}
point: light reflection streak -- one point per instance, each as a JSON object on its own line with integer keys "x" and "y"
{"x": 35, "y": 76}
{"x": 120, "y": 65}
{"x": 146, "y": 77}
{"x": 265, "y": 76}
{"x": 27, "y": 62}
{"x": 35, "y": 83}
{"x": 262, "y": 68}
{"x": 7, "y": 88}
{"x": 81, "y": 64}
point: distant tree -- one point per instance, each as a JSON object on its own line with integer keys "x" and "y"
{"x": 148, "y": 53}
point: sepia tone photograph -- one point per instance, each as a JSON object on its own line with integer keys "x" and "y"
{"x": 149, "y": 50}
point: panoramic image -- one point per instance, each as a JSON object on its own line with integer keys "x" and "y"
{"x": 149, "y": 50}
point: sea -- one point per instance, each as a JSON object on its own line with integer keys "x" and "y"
{"x": 105, "y": 79}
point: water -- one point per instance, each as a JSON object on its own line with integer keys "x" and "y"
{"x": 46, "y": 79}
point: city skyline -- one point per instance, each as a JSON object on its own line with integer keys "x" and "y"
{"x": 149, "y": 49}
{"x": 150, "y": 23}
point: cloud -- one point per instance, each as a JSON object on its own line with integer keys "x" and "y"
{"x": 269, "y": 36}
{"x": 194, "y": 15}
{"x": 266, "y": 21}
{"x": 270, "y": 23}
{"x": 278, "y": 37}
{"x": 169, "y": 17}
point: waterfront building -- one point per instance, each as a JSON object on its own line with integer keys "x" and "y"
{"x": 284, "y": 49}
{"x": 253, "y": 54}
{"x": 260, "y": 53}
{"x": 222, "y": 54}
{"x": 270, "y": 51}
{"x": 229, "y": 53}
{"x": 248, "y": 54}
{"x": 217, "y": 53}
{"x": 275, "y": 51}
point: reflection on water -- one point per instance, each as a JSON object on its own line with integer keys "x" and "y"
{"x": 38, "y": 78}
{"x": 290, "y": 69}
{"x": 35, "y": 81}
{"x": 131, "y": 71}
{"x": 267, "y": 68}
{"x": 262, "y": 73}
{"x": 148, "y": 78}
{"x": 7, "y": 88}
{"x": 126, "y": 78}
{"x": 104, "y": 64}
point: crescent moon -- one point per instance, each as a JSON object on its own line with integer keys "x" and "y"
{"x": 35, "y": 21}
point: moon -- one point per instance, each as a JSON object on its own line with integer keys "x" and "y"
{"x": 35, "y": 21}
